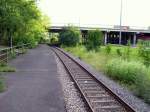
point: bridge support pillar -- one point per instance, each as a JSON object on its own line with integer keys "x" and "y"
{"x": 105, "y": 37}
{"x": 134, "y": 39}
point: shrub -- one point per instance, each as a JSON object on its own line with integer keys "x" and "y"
{"x": 25, "y": 40}
{"x": 146, "y": 56}
{"x": 70, "y": 36}
{"x": 140, "y": 47}
{"x": 142, "y": 87}
{"x": 144, "y": 52}
{"x": 125, "y": 71}
{"x": 108, "y": 49}
{"x": 119, "y": 52}
{"x": 127, "y": 51}
{"x": 94, "y": 39}
{"x": 54, "y": 40}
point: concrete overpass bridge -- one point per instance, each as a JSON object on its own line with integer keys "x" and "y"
{"x": 111, "y": 33}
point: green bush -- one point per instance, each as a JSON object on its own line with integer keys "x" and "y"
{"x": 125, "y": 71}
{"x": 134, "y": 74}
{"x": 119, "y": 52}
{"x": 142, "y": 87}
{"x": 94, "y": 39}
{"x": 70, "y": 36}
{"x": 25, "y": 40}
{"x": 54, "y": 40}
{"x": 146, "y": 56}
{"x": 127, "y": 51}
{"x": 108, "y": 49}
{"x": 144, "y": 52}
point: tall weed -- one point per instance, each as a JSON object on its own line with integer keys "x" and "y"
{"x": 125, "y": 71}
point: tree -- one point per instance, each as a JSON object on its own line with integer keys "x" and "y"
{"x": 94, "y": 39}
{"x": 70, "y": 36}
{"x": 20, "y": 19}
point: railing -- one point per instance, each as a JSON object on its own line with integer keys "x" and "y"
{"x": 10, "y": 52}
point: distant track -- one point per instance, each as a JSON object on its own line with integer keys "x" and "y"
{"x": 97, "y": 96}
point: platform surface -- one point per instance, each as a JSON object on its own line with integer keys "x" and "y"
{"x": 35, "y": 86}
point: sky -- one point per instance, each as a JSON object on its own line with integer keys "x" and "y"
{"x": 97, "y": 12}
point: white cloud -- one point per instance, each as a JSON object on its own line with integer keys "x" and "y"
{"x": 105, "y": 12}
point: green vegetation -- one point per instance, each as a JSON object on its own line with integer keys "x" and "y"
{"x": 108, "y": 49}
{"x": 5, "y": 68}
{"x": 70, "y": 36}
{"x": 22, "y": 21}
{"x": 2, "y": 84}
{"x": 54, "y": 40}
{"x": 121, "y": 63}
{"x": 125, "y": 71}
{"x": 94, "y": 39}
{"x": 144, "y": 51}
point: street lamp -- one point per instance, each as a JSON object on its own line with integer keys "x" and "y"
{"x": 120, "y": 36}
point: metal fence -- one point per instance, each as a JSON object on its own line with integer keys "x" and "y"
{"x": 10, "y": 52}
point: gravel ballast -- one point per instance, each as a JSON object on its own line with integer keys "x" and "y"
{"x": 73, "y": 100}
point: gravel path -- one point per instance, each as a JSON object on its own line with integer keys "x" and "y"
{"x": 73, "y": 100}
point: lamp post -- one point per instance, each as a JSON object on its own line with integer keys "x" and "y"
{"x": 120, "y": 36}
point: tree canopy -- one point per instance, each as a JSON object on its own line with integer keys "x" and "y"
{"x": 21, "y": 20}
{"x": 70, "y": 36}
{"x": 94, "y": 39}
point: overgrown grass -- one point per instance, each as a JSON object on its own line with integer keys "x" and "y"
{"x": 5, "y": 68}
{"x": 125, "y": 71}
{"x": 96, "y": 59}
{"x": 123, "y": 65}
{"x": 132, "y": 73}
{"x": 2, "y": 84}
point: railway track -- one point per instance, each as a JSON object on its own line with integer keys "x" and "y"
{"x": 98, "y": 97}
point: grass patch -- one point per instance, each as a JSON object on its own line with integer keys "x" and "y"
{"x": 5, "y": 68}
{"x": 2, "y": 84}
{"x": 125, "y": 71}
{"x": 135, "y": 75}
{"x": 88, "y": 56}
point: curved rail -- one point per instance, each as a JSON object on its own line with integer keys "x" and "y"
{"x": 98, "y": 97}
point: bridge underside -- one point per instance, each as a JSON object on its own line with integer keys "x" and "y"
{"x": 113, "y": 36}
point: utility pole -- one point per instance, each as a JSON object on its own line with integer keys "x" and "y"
{"x": 120, "y": 34}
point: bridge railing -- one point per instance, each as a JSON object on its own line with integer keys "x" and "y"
{"x": 10, "y": 52}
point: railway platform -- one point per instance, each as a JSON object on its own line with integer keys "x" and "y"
{"x": 34, "y": 87}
